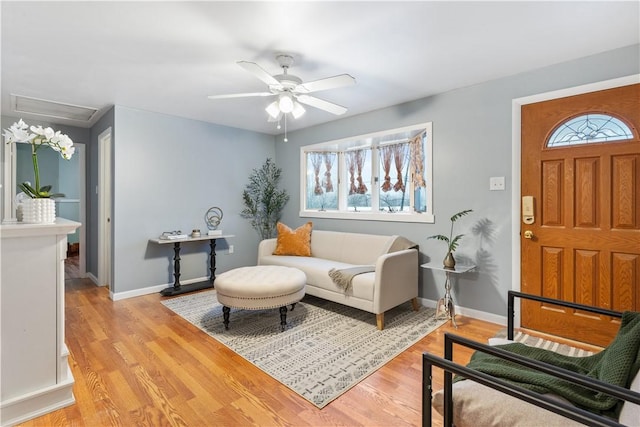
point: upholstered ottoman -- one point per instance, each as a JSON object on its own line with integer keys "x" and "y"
{"x": 259, "y": 288}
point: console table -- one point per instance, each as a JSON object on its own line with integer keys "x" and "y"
{"x": 447, "y": 300}
{"x": 178, "y": 288}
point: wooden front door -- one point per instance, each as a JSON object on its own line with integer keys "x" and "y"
{"x": 584, "y": 242}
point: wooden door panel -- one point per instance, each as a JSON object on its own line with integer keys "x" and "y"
{"x": 625, "y": 268}
{"x": 587, "y": 192}
{"x": 587, "y": 266}
{"x": 626, "y": 194}
{"x": 586, "y": 245}
{"x": 552, "y": 179}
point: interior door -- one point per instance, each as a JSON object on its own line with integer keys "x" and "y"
{"x": 104, "y": 209}
{"x": 580, "y": 241}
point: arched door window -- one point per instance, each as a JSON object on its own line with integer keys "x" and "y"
{"x": 589, "y": 129}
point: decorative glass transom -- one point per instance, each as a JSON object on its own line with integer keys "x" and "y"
{"x": 588, "y": 129}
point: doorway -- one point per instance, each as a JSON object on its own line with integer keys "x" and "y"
{"x": 583, "y": 243}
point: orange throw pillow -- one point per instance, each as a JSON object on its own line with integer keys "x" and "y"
{"x": 294, "y": 242}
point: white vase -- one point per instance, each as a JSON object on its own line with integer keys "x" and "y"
{"x": 39, "y": 211}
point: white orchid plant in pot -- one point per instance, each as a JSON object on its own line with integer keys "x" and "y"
{"x": 39, "y": 137}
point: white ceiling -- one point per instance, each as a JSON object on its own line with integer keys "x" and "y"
{"x": 166, "y": 57}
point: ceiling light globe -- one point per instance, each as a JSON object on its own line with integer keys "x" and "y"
{"x": 298, "y": 110}
{"x": 285, "y": 103}
{"x": 273, "y": 110}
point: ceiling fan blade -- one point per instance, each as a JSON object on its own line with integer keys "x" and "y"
{"x": 324, "y": 84}
{"x": 240, "y": 95}
{"x": 322, "y": 104}
{"x": 259, "y": 72}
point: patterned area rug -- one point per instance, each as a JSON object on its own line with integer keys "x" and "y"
{"x": 326, "y": 349}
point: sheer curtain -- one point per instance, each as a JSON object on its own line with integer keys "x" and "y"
{"x": 316, "y": 161}
{"x": 417, "y": 161}
{"x": 387, "y": 156}
{"x": 351, "y": 167}
{"x": 355, "y": 163}
{"x": 329, "y": 158}
{"x": 400, "y": 155}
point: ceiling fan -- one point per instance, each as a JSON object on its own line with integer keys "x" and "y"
{"x": 291, "y": 91}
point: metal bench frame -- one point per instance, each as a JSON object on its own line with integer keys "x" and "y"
{"x": 569, "y": 411}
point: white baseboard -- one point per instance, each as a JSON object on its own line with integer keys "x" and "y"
{"x": 464, "y": 311}
{"x": 150, "y": 290}
{"x": 469, "y": 312}
{"x": 93, "y": 278}
{"x": 37, "y": 403}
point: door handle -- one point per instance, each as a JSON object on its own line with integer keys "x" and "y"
{"x": 528, "y": 234}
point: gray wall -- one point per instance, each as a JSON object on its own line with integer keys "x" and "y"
{"x": 168, "y": 172}
{"x": 472, "y": 142}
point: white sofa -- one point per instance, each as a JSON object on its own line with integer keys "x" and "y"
{"x": 394, "y": 281}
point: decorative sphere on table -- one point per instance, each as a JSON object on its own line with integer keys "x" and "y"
{"x": 213, "y": 218}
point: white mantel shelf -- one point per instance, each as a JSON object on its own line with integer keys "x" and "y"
{"x": 21, "y": 229}
{"x": 36, "y": 378}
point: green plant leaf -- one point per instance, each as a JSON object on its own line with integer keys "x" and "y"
{"x": 460, "y": 214}
{"x": 29, "y": 190}
{"x": 454, "y": 243}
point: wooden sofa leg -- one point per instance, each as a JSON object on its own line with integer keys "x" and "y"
{"x": 380, "y": 321}
{"x": 414, "y": 303}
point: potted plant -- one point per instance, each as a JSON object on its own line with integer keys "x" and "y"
{"x": 452, "y": 242}
{"x": 39, "y": 205}
{"x": 263, "y": 201}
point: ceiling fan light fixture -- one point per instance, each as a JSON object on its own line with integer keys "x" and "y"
{"x": 273, "y": 109}
{"x": 285, "y": 102}
{"x": 298, "y": 110}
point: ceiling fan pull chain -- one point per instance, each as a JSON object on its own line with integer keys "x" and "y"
{"x": 285, "y": 128}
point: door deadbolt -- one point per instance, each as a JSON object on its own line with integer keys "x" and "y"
{"x": 528, "y": 234}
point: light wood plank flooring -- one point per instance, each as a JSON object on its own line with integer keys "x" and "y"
{"x": 137, "y": 363}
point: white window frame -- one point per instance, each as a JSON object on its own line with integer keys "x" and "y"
{"x": 368, "y": 140}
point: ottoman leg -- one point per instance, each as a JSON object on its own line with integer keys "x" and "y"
{"x": 283, "y": 317}
{"x": 293, "y": 306}
{"x": 225, "y": 316}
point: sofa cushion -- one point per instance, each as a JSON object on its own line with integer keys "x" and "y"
{"x": 477, "y": 405}
{"x": 630, "y": 413}
{"x": 350, "y": 248}
{"x": 317, "y": 271}
{"x": 294, "y": 242}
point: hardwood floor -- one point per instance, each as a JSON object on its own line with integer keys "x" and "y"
{"x": 72, "y": 267}
{"x": 137, "y": 363}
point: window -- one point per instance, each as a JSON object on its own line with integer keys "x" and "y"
{"x": 384, "y": 176}
{"x": 588, "y": 129}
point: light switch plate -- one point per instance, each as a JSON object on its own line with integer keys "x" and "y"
{"x": 496, "y": 183}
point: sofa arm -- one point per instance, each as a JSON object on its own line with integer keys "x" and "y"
{"x": 396, "y": 279}
{"x": 265, "y": 248}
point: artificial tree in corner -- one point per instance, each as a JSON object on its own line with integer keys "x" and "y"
{"x": 452, "y": 242}
{"x": 263, "y": 200}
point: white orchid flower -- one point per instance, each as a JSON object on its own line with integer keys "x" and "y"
{"x": 19, "y": 132}
{"x": 67, "y": 152}
{"x": 49, "y": 133}
{"x": 65, "y": 141}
